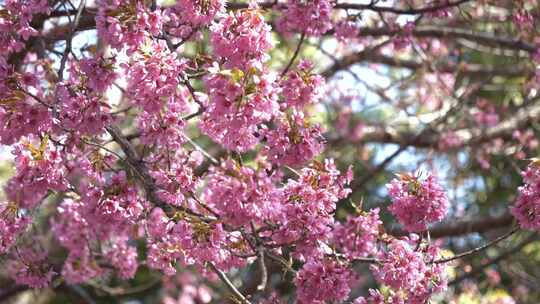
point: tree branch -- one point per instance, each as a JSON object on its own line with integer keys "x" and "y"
{"x": 448, "y": 32}
{"x": 478, "y": 249}
{"x": 371, "y": 7}
{"x": 457, "y": 228}
{"x": 443, "y": 67}
{"x": 223, "y": 277}
{"x": 476, "y": 271}
{"x": 468, "y": 137}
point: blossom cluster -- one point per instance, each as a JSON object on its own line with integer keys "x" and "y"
{"x": 15, "y": 23}
{"x": 293, "y": 141}
{"x": 126, "y": 23}
{"x": 187, "y": 17}
{"x": 416, "y": 203}
{"x": 124, "y": 184}
{"x": 239, "y": 102}
{"x": 301, "y": 86}
{"x": 526, "y": 208}
{"x": 29, "y": 267}
{"x": 309, "y": 17}
{"x": 358, "y": 236}
{"x": 411, "y": 274}
{"x": 323, "y": 281}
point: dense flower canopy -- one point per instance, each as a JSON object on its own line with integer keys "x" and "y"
{"x": 212, "y": 151}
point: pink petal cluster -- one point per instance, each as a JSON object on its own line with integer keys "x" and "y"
{"x": 238, "y": 103}
{"x": 188, "y": 242}
{"x": 122, "y": 257}
{"x": 307, "y": 206}
{"x": 323, "y": 282}
{"x": 30, "y": 268}
{"x": 81, "y": 112}
{"x": 241, "y": 39}
{"x": 21, "y": 115}
{"x": 98, "y": 73}
{"x": 346, "y": 30}
{"x": 80, "y": 266}
{"x": 417, "y": 202}
{"x": 240, "y": 194}
{"x": 523, "y": 19}
{"x": 12, "y": 224}
{"x": 37, "y": 173}
{"x": 486, "y": 114}
{"x": 187, "y": 17}
{"x": 126, "y": 24}
{"x": 293, "y": 141}
{"x": 102, "y": 216}
{"x": 192, "y": 289}
{"x": 15, "y": 23}
{"x": 301, "y": 87}
{"x": 23, "y": 118}
{"x": 310, "y": 17}
{"x": 527, "y": 207}
{"x": 450, "y": 140}
{"x": 154, "y": 78}
{"x": 409, "y": 272}
{"x": 405, "y": 36}
{"x": 526, "y": 141}
{"x": 357, "y": 237}
{"x": 175, "y": 178}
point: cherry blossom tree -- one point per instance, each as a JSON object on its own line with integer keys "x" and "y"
{"x": 284, "y": 151}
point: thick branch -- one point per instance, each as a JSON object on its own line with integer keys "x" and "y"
{"x": 443, "y": 67}
{"x": 448, "y": 32}
{"x": 135, "y": 162}
{"x": 468, "y": 137}
{"x": 371, "y": 7}
{"x": 457, "y": 228}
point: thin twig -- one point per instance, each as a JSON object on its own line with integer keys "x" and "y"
{"x": 200, "y": 149}
{"x": 69, "y": 41}
{"x": 495, "y": 260}
{"x": 264, "y": 271}
{"x": 296, "y": 52}
{"x": 478, "y": 249}
{"x": 223, "y": 277}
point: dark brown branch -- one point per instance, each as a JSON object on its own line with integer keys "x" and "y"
{"x": 400, "y": 11}
{"x": 476, "y": 271}
{"x": 135, "y": 162}
{"x": 458, "y": 228}
{"x": 371, "y": 7}
{"x": 223, "y": 277}
{"x": 264, "y": 271}
{"x": 67, "y": 50}
{"x": 448, "y": 32}
{"x": 296, "y": 53}
{"x": 478, "y": 249}
{"x": 443, "y": 67}
{"x": 520, "y": 120}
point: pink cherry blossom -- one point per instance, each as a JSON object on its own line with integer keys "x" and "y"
{"x": 358, "y": 235}
{"x": 293, "y": 142}
{"x": 30, "y": 268}
{"x": 526, "y": 206}
{"x": 241, "y": 39}
{"x": 417, "y": 202}
{"x": 323, "y": 281}
{"x": 311, "y": 18}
